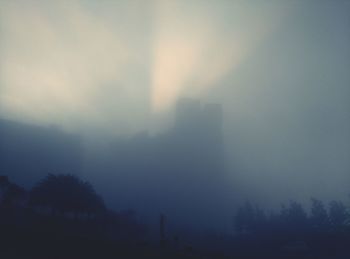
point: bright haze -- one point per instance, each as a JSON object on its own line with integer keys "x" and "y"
{"x": 280, "y": 70}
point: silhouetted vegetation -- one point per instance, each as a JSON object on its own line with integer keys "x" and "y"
{"x": 294, "y": 233}
{"x": 66, "y": 194}
{"x": 63, "y": 217}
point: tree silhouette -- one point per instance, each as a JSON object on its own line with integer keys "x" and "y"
{"x": 250, "y": 219}
{"x": 319, "y": 216}
{"x": 337, "y": 213}
{"x": 244, "y": 218}
{"x": 66, "y": 193}
{"x": 294, "y": 219}
{"x": 12, "y": 195}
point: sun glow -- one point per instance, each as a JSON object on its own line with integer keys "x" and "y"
{"x": 65, "y": 62}
{"x": 192, "y": 52}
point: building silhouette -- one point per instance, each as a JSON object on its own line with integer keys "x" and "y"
{"x": 180, "y": 171}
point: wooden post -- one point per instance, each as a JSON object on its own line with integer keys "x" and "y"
{"x": 162, "y": 230}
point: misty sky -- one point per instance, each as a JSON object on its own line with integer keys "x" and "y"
{"x": 279, "y": 68}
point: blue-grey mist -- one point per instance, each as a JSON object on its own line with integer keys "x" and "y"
{"x": 188, "y": 108}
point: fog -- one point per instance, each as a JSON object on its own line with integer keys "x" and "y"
{"x": 234, "y": 100}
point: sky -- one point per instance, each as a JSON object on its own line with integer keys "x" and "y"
{"x": 279, "y": 68}
{"x": 63, "y": 60}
